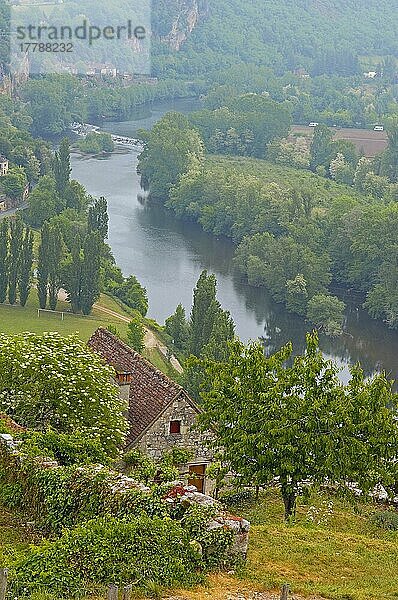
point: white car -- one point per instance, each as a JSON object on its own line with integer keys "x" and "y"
{"x": 378, "y": 128}
{"x": 313, "y": 124}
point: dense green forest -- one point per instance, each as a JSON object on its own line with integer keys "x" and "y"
{"x": 323, "y": 37}
{"x": 298, "y": 231}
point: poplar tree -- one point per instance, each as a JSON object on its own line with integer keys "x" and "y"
{"x": 204, "y": 306}
{"x": 62, "y": 168}
{"x": 43, "y": 266}
{"x": 54, "y": 265}
{"x": 4, "y": 243}
{"x": 25, "y": 276}
{"x": 16, "y": 238}
{"x": 98, "y": 218}
{"x": 90, "y": 273}
{"x": 72, "y": 275}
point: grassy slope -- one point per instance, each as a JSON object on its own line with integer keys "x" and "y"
{"x": 17, "y": 320}
{"x": 347, "y": 559}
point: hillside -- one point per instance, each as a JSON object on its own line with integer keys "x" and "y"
{"x": 283, "y": 35}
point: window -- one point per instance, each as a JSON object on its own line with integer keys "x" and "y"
{"x": 175, "y": 427}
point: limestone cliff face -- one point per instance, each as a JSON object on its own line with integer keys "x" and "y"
{"x": 186, "y": 16}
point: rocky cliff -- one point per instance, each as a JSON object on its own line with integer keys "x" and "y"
{"x": 174, "y": 21}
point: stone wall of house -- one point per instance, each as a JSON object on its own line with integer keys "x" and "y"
{"x": 158, "y": 439}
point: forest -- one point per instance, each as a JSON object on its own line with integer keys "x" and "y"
{"x": 322, "y": 217}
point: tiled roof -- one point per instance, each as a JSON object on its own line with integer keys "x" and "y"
{"x": 151, "y": 391}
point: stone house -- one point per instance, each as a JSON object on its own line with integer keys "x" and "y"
{"x": 4, "y": 166}
{"x": 161, "y": 414}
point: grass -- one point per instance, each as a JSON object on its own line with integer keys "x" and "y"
{"x": 14, "y": 319}
{"x": 14, "y": 536}
{"x": 346, "y": 558}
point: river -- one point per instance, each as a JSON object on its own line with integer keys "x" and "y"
{"x": 167, "y": 257}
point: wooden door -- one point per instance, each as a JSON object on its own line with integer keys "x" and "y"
{"x": 197, "y": 476}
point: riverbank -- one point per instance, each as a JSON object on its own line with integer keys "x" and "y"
{"x": 167, "y": 255}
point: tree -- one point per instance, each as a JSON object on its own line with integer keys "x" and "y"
{"x": 204, "y": 309}
{"x": 72, "y": 274}
{"x": 49, "y": 265}
{"x": 90, "y": 271}
{"x": 25, "y": 277}
{"x": 98, "y": 218}
{"x": 4, "y": 264}
{"x": 43, "y": 266}
{"x": 327, "y": 313}
{"x": 299, "y": 422}
{"x": 340, "y": 170}
{"x": 16, "y": 238}
{"x": 14, "y": 183}
{"x": 177, "y": 328}
{"x": 136, "y": 334}
{"x": 62, "y": 168}
{"x": 51, "y": 381}
{"x": 44, "y": 202}
{"x": 169, "y": 150}
{"x": 321, "y": 147}
{"x": 133, "y": 294}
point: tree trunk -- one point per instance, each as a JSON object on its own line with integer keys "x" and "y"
{"x": 289, "y": 496}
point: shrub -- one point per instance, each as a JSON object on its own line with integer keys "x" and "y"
{"x": 386, "y": 519}
{"x": 66, "y": 449}
{"x": 142, "y": 550}
{"x": 50, "y": 380}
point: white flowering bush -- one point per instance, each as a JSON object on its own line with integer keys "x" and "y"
{"x": 53, "y": 381}
{"x": 320, "y": 515}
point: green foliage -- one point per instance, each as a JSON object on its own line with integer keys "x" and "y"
{"x": 298, "y": 422}
{"x": 131, "y": 293}
{"x": 14, "y": 258}
{"x": 385, "y": 519}
{"x": 66, "y": 448}
{"x": 44, "y": 202}
{"x": 14, "y": 183}
{"x": 62, "y": 168}
{"x": 327, "y": 313}
{"x": 94, "y": 143}
{"x": 98, "y": 218}
{"x": 244, "y": 125}
{"x": 136, "y": 334}
{"x": 170, "y": 148}
{"x": 47, "y": 380}
{"x": 177, "y": 328}
{"x": 138, "y": 550}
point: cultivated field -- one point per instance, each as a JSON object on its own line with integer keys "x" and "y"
{"x": 368, "y": 142}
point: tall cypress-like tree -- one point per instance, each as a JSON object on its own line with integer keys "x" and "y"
{"x": 4, "y": 243}
{"x": 62, "y": 168}
{"x": 54, "y": 265}
{"x": 203, "y": 309}
{"x": 16, "y": 238}
{"x": 90, "y": 281}
{"x": 72, "y": 274}
{"x": 25, "y": 276}
{"x": 98, "y": 217}
{"x": 43, "y": 266}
